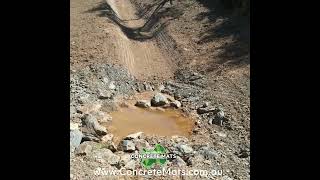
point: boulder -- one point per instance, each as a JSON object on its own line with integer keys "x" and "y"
{"x": 185, "y": 149}
{"x": 128, "y": 146}
{"x": 75, "y": 138}
{"x": 93, "y": 126}
{"x": 159, "y": 100}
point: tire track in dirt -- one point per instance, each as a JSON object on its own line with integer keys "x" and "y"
{"x": 143, "y": 59}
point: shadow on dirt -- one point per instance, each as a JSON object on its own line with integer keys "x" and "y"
{"x": 226, "y": 23}
{"x": 154, "y": 24}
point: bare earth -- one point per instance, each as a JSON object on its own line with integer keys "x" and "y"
{"x": 95, "y": 38}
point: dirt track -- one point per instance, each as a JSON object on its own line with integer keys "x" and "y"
{"x": 95, "y": 37}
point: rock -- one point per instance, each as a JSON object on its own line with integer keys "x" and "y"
{"x": 208, "y": 153}
{"x": 175, "y": 104}
{"x": 107, "y": 138}
{"x": 124, "y": 159}
{"x": 177, "y": 96}
{"x": 89, "y": 137}
{"x": 110, "y": 145}
{"x": 112, "y": 86}
{"x": 166, "y": 91}
{"x": 141, "y": 143}
{"x": 143, "y": 103}
{"x": 105, "y": 95}
{"x": 74, "y": 126}
{"x": 160, "y": 88}
{"x": 130, "y": 165}
{"x": 206, "y": 104}
{"x": 128, "y": 146}
{"x": 102, "y": 155}
{"x": 203, "y": 110}
{"x": 221, "y": 134}
{"x": 83, "y": 149}
{"x": 196, "y": 130}
{"x": 139, "y": 87}
{"x": 185, "y": 149}
{"x": 134, "y": 136}
{"x": 93, "y": 126}
{"x": 243, "y": 154}
{"x": 170, "y": 98}
{"x": 105, "y": 80}
{"x": 159, "y": 100}
{"x": 220, "y": 114}
{"x": 102, "y": 117}
{"x": 147, "y": 86}
{"x": 179, "y": 161}
{"x": 75, "y": 138}
{"x": 207, "y": 162}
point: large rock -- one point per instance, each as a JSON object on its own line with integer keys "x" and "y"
{"x": 141, "y": 143}
{"x": 93, "y": 126}
{"x": 105, "y": 95}
{"x": 130, "y": 165}
{"x": 128, "y": 146}
{"x": 75, "y": 138}
{"x": 159, "y": 100}
{"x": 106, "y": 155}
{"x": 185, "y": 149}
{"x": 143, "y": 103}
{"x": 87, "y": 136}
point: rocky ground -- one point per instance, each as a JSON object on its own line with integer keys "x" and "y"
{"x": 216, "y": 97}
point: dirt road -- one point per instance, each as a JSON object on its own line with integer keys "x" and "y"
{"x": 95, "y": 39}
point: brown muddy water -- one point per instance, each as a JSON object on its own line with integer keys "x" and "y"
{"x": 170, "y": 122}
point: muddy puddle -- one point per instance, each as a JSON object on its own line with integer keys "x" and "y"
{"x": 128, "y": 120}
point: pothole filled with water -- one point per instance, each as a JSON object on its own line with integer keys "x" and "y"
{"x": 168, "y": 122}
